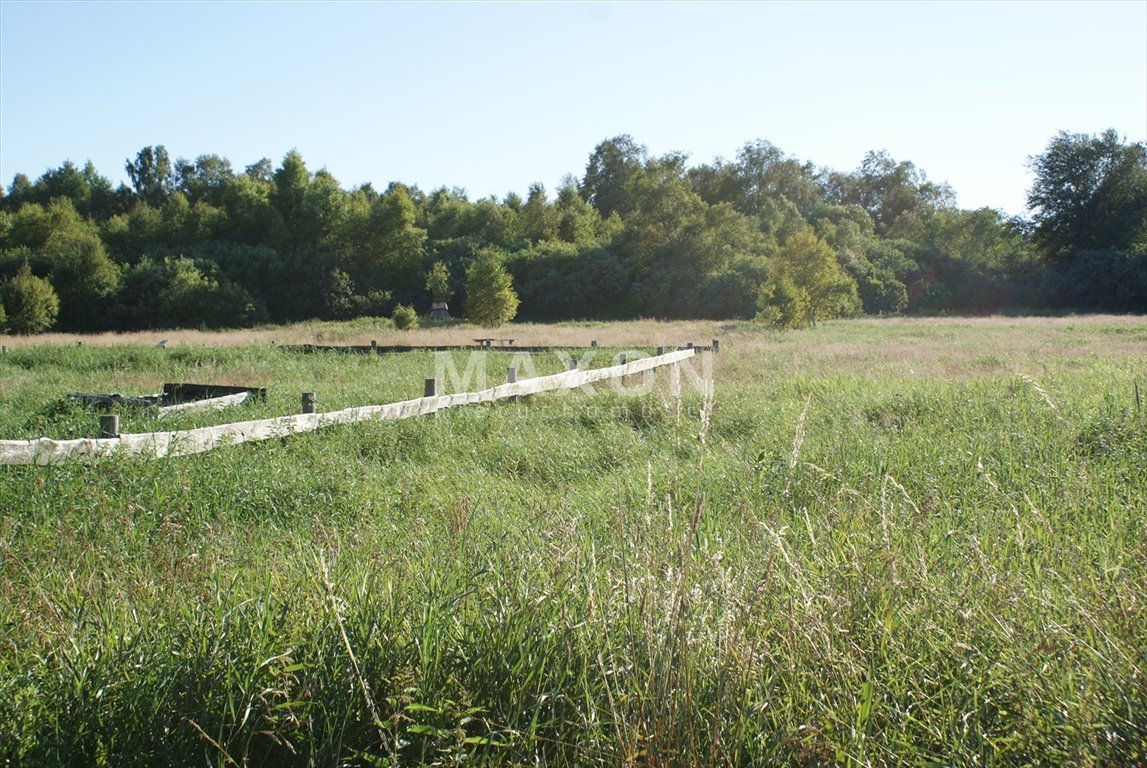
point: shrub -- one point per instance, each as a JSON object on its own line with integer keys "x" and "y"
{"x": 342, "y": 303}
{"x": 180, "y": 292}
{"x": 404, "y": 317}
{"x": 782, "y": 303}
{"x": 30, "y": 302}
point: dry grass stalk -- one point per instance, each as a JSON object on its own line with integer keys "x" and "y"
{"x": 798, "y": 437}
{"x": 336, "y": 610}
{"x": 1043, "y": 396}
{"x": 227, "y": 759}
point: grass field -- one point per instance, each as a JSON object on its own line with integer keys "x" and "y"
{"x": 881, "y": 542}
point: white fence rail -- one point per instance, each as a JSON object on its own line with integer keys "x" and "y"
{"x": 182, "y": 443}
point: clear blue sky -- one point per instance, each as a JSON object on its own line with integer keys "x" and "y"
{"x": 493, "y": 96}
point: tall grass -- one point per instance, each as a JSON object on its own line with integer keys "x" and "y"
{"x": 934, "y": 556}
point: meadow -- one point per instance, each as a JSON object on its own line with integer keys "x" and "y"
{"x": 875, "y": 542}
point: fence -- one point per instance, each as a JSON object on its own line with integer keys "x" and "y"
{"x": 505, "y": 345}
{"x": 186, "y": 442}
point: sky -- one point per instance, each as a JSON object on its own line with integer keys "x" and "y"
{"x": 492, "y": 97}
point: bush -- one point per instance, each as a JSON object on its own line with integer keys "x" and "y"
{"x": 30, "y": 302}
{"x": 1101, "y": 281}
{"x": 342, "y": 303}
{"x": 404, "y": 317}
{"x": 179, "y": 293}
{"x": 782, "y": 303}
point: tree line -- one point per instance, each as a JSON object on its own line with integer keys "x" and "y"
{"x": 197, "y": 243}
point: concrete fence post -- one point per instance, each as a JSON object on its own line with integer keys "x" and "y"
{"x": 511, "y": 375}
{"x": 430, "y": 388}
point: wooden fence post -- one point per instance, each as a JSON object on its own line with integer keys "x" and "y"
{"x": 622, "y": 358}
{"x": 660, "y": 351}
{"x": 689, "y": 345}
{"x": 430, "y": 389}
{"x": 716, "y": 345}
{"x": 109, "y": 426}
{"x": 593, "y": 344}
{"x": 373, "y": 347}
{"x": 308, "y": 402}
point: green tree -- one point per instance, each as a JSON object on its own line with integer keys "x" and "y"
{"x": 495, "y": 224}
{"x": 897, "y": 195}
{"x": 29, "y": 302}
{"x": 612, "y": 175}
{"x": 783, "y": 303}
{"x": 806, "y": 284}
{"x": 30, "y": 226}
{"x": 85, "y": 279}
{"x": 342, "y": 302}
{"x": 577, "y": 221}
{"x": 90, "y": 193}
{"x": 762, "y": 175}
{"x": 183, "y": 223}
{"x": 179, "y": 293}
{"x": 204, "y": 180}
{"x": 263, "y": 170}
{"x": 539, "y": 221}
{"x": 380, "y": 246}
{"x": 438, "y": 283}
{"x": 339, "y": 296}
{"x": 151, "y": 175}
{"x": 443, "y": 212}
{"x": 249, "y": 216}
{"x": 848, "y": 229}
{"x": 128, "y": 235}
{"x": 20, "y": 191}
{"x": 1089, "y": 194}
{"x": 324, "y": 208}
{"x": 289, "y": 187}
{"x": 70, "y": 249}
{"x": 676, "y": 246}
{"x": 490, "y": 297}
{"x": 982, "y": 259}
